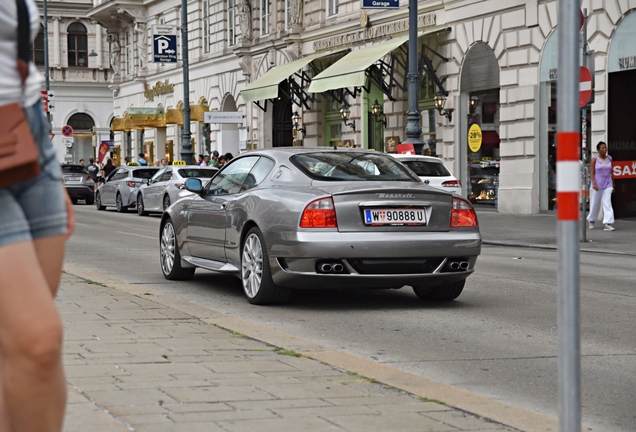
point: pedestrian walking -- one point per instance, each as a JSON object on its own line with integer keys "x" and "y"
{"x": 602, "y": 188}
{"x": 109, "y": 167}
{"x": 142, "y": 160}
{"x": 35, "y": 221}
{"x": 92, "y": 169}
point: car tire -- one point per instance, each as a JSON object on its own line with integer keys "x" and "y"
{"x": 119, "y": 204}
{"x": 141, "y": 210}
{"x": 256, "y": 274}
{"x": 169, "y": 255}
{"x": 166, "y": 202}
{"x": 446, "y": 292}
{"x": 90, "y": 201}
{"x": 98, "y": 202}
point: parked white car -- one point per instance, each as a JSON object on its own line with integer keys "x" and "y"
{"x": 432, "y": 172}
{"x": 167, "y": 186}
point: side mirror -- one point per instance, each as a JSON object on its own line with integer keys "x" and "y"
{"x": 194, "y": 185}
{"x": 145, "y": 181}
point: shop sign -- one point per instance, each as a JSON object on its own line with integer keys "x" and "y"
{"x": 158, "y": 89}
{"x": 379, "y": 31}
{"x": 164, "y": 44}
{"x": 223, "y": 117}
{"x": 474, "y": 138}
{"x": 627, "y": 63}
{"x": 623, "y": 169}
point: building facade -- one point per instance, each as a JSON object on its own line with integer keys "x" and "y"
{"x": 79, "y": 75}
{"x": 319, "y": 60}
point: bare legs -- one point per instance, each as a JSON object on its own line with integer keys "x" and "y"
{"x": 32, "y": 386}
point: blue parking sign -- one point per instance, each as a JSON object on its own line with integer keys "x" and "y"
{"x": 164, "y": 44}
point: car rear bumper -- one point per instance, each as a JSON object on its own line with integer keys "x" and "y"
{"x": 79, "y": 192}
{"x": 373, "y": 260}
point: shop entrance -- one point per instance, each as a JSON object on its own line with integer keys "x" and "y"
{"x": 283, "y": 135}
{"x": 622, "y": 138}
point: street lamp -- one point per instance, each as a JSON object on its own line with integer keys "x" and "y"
{"x": 186, "y": 151}
{"x": 378, "y": 113}
{"x": 440, "y": 102}
{"x": 296, "y": 122}
{"x": 345, "y": 114}
{"x": 413, "y": 128}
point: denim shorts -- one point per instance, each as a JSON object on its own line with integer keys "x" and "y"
{"x": 35, "y": 208}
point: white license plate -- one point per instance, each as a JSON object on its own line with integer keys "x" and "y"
{"x": 70, "y": 178}
{"x": 394, "y": 216}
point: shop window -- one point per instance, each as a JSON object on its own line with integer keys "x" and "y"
{"x": 488, "y": 111}
{"x": 332, "y": 8}
{"x": 264, "y": 17}
{"x": 38, "y": 48}
{"x": 77, "y": 45}
{"x": 333, "y": 124}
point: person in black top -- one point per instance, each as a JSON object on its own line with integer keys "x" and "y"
{"x": 92, "y": 169}
{"x": 109, "y": 167}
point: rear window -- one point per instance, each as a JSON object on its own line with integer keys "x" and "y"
{"x": 346, "y": 166}
{"x": 144, "y": 173}
{"x": 74, "y": 169}
{"x": 197, "y": 172}
{"x": 427, "y": 169}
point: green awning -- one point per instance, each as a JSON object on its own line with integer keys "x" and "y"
{"x": 266, "y": 87}
{"x": 349, "y": 71}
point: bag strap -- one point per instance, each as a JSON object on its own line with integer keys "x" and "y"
{"x": 24, "y": 39}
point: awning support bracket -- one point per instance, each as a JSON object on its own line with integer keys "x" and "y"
{"x": 426, "y": 66}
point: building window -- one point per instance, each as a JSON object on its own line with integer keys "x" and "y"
{"x": 265, "y": 17}
{"x": 332, "y": 7}
{"x": 38, "y": 48}
{"x": 77, "y": 45}
{"x": 129, "y": 51}
{"x": 207, "y": 26}
{"x": 232, "y": 22}
{"x": 288, "y": 12}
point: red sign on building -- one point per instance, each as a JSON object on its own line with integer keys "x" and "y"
{"x": 623, "y": 169}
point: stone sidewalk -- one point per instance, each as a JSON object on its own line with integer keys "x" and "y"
{"x": 137, "y": 360}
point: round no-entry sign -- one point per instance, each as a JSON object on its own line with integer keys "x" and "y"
{"x": 67, "y": 131}
{"x": 585, "y": 91}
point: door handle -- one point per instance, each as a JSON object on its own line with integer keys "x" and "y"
{"x": 223, "y": 206}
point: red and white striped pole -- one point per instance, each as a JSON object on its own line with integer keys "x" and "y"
{"x": 568, "y": 189}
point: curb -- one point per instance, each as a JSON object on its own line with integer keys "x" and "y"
{"x": 552, "y": 247}
{"x": 512, "y": 416}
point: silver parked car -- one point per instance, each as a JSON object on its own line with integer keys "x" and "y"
{"x": 120, "y": 188}
{"x": 286, "y": 218}
{"x": 168, "y": 185}
{"x": 431, "y": 170}
{"x": 78, "y": 183}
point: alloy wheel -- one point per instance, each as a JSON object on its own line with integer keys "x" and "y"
{"x": 167, "y": 248}
{"x": 252, "y": 265}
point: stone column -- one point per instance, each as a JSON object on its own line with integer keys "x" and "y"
{"x": 160, "y": 144}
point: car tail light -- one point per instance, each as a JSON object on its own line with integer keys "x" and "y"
{"x": 452, "y": 183}
{"x": 319, "y": 214}
{"x": 180, "y": 185}
{"x": 462, "y": 214}
{"x": 130, "y": 184}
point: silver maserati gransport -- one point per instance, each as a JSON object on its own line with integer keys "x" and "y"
{"x": 291, "y": 218}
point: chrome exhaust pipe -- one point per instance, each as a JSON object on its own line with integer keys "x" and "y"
{"x": 463, "y": 265}
{"x": 338, "y": 268}
{"x": 454, "y": 265}
{"x": 326, "y": 268}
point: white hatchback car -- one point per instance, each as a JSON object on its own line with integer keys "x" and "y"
{"x": 432, "y": 172}
{"x": 166, "y": 187}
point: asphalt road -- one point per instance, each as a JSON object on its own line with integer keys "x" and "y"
{"x": 498, "y": 339}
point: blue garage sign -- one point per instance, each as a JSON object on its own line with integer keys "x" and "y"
{"x": 379, "y": 4}
{"x": 164, "y": 44}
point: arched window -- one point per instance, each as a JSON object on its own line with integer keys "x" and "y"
{"x": 81, "y": 122}
{"x": 77, "y": 45}
{"x": 38, "y": 48}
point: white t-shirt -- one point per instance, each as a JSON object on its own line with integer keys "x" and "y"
{"x": 10, "y": 86}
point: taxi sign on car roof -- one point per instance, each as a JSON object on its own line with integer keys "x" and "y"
{"x": 179, "y": 162}
{"x": 132, "y": 164}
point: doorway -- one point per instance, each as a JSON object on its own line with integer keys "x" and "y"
{"x": 283, "y": 135}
